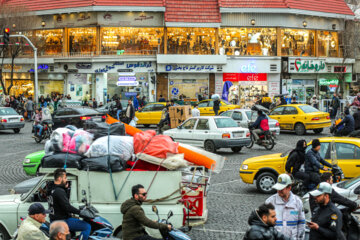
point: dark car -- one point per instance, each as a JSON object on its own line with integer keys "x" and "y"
{"x": 76, "y": 116}
{"x": 11, "y": 120}
{"x": 106, "y": 109}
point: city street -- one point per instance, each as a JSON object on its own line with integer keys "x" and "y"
{"x": 230, "y": 201}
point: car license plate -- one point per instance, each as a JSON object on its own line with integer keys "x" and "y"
{"x": 96, "y": 118}
{"x": 238, "y": 135}
{"x": 13, "y": 120}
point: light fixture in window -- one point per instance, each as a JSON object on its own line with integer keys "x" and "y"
{"x": 334, "y": 27}
{"x": 43, "y": 23}
{"x": 252, "y": 22}
{"x": 237, "y": 52}
{"x": 304, "y": 23}
{"x": 14, "y": 25}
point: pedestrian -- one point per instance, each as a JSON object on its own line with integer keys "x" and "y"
{"x": 43, "y": 103}
{"x": 68, "y": 97}
{"x": 195, "y": 111}
{"x": 118, "y": 107}
{"x": 86, "y": 103}
{"x": 262, "y": 223}
{"x": 295, "y": 162}
{"x": 326, "y": 221}
{"x": 216, "y": 106}
{"x": 37, "y": 125}
{"x": 293, "y": 100}
{"x": 129, "y": 112}
{"x": 59, "y": 230}
{"x": 266, "y": 101}
{"x": 142, "y": 102}
{"x": 314, "y": 162}
{"x": 94, "y": 103}
{"x": 134, "y": 218}
{"x": 136, "y": 102}
{"x": 314, "y": 102}
{"x": 289, "y": 209}
{"x": 283, "y": 100}
{"x": 13, "y": 103}
{"x": 356, "y": 117}
{"x": 200, "y": 97}
{"x": 334, "y": 106}
{"x": 29, "y": 106}
{"x": 30, "y": 227}
{"x": 161, "y": 99}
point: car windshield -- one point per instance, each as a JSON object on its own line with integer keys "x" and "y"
{"x": 347, "y": 184}
{"x": 308, "y": 109}
{"x": 225, "y": 123}
{"x": 226, "y": 102}
{"x": 7, "y": 111}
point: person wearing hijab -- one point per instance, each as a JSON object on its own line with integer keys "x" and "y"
{"x": 295, "y": 161}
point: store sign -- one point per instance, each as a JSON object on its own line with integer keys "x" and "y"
{"x": 189, "y": 68}
{"x": 83, "y": 65}
{"x": 127, "y": 79}
{"x": 125, "y": 70}
{"x": 245, "y": 77}
{"x": 248, "y": 68}
{"x": 127, "y": 83}
{"x": 130, "y": 94}
{"x": 329, "y": 82}
{"x": 309, "y": 65}
{"x": 41, "y": 68}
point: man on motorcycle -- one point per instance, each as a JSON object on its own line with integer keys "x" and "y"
{"x": 134, "y": 218}
{"x": 348, "y": 122}
{"x": 30, "y": 227}
{"x": 37, "y": 125}
{"x": 314, "y": 162}
{"x": 61, "y": 208}
{"x": 261, "y": 125}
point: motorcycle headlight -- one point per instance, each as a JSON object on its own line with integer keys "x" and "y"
{"x": 50, "y": 125}
{"x": 27, "y": 160}
{"x": 244, "y": 167}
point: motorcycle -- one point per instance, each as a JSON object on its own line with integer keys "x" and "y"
{"x": 267, "y": 139}
{"x": 46, "y": 132}
{"x": 174, "y": 234}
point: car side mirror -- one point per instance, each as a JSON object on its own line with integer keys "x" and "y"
{"x": 357, "y": 191}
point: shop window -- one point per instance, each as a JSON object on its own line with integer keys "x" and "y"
{"x": 290, "y": 111}
{"x": 328, "y": 44}
{"x": 188, "y": 88}
{"x": 82, "y": 40}
{"x": 248, "y": 41}
{"x": 203, "y": 124}
{"x": 49, "y": 42}
{"x": 295, "y": 42}
{"x": 127, "y": 40}
{"x": 191, "y": 41}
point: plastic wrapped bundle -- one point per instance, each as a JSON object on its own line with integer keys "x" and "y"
{"x": 121, "y": 146}
{"x": 102, "y": 129}
{"x": 58, "y": 161}
{"x": 101, "y": 164}
{"x": 56, "y": 139}
{"x": 79, "y": 143}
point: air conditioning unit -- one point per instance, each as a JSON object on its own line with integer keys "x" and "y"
{"x": 273, "y": 67}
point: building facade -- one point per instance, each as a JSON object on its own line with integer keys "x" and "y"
{"x": 185, "y": 48}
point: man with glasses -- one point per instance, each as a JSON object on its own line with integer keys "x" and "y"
{"x": 30, "y": 227}
{"x": 134, "y": 218}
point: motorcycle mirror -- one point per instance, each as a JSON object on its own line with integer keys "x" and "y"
{"x": 170, "y": 214}
{"x": 154, "y": 209}
{"x": 83, "y": 192}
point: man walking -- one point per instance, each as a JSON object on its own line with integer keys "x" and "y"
{"x": 288, "y": 208}
{"x": 334, "y": 106}
{"x": 129, "y": 112}
{"x": 29, "y": 108}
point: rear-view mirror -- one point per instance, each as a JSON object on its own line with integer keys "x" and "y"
{"x": 170, "y": 214}
{"x": 154, "y": 209}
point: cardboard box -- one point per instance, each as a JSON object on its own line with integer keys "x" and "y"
{"x": 183, "y": 112}
{"x": 172, "y": 111}
{"x": 175, "y": 122}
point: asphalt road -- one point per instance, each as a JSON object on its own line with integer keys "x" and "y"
{"x": 230, "y": 201}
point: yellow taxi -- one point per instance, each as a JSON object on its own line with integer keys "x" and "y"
{"x": 206, "y": 107}
{"x": 300, "y": 117}
{"x": 265, "y": 169}
{"x": 150, "y": 114}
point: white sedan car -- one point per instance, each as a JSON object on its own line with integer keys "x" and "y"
{"x": 211, "y": 133}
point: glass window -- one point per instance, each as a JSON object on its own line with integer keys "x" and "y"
{"x": 225, "y": 122}
{"x": 158, "y": 107}
{"x": 189, "y": 124}
{"x": 237, "y": 116}
{"x": 296, "y": 42}
{"x": 60, "y": 112}
{"x": 357, "y": 152}
{"x": 290, "y": 110}
{"x": 226, "y": 114}
{"x": 148, "y": 108}
{"x": 277, "y": 111}
{"x": 203, "y": 124}
{"x": 82, "y": 40}
{"x": 328, "y": 44}
{"x": 86, "y": 111}
{"x": 345, "y": 151}
{"x": 125, "y": 40}
{"x": 188, "y": 88}
{"x": 308, "y": 109}
{"x": 203, "y": 104}
{"x": 248, "y": 41}
{"x": 324, "y": 150}
{"x": 49, "y": 42}
{"x": 7, "y": 111}
{"x": 191, "y": 41}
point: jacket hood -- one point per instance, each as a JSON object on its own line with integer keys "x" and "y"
{"x": 128, "y": 204}
{"x": 300, "y": 146}
{"x": 254, "y": 219}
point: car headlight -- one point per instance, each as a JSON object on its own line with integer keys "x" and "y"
{"x": 27, "y": 160}
{"x": 244, "y": 167}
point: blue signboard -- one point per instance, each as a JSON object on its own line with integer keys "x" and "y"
{"x": 174, "y": 91}
{"x": 130, "y": 94}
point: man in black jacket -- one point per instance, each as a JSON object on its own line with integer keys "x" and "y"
{"x": 262, "y": 224}
{"x": 61, "y": 208}
{"x": 349, "y": 124}
{"x": 129, "y": 112}
{"x": 295, "y": 160}
{"x": 334, "y": 105}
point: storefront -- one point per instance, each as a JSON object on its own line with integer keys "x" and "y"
{"x": 246, "y": 79}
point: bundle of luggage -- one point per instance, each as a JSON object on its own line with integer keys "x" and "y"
{"x": 105, "y": 147}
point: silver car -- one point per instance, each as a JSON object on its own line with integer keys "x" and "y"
{"x": 245, "y": 116}
{"x": 10, "y": 119}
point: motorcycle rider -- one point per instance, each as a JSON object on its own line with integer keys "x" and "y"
{"x": 296, "y": 160}
{"x": 61, "y": 208}
{"x": 348, "y": 122}
{"x": 334, "y": 196}
{"x": 327, "y": 219}
{"x": 262, "y": 223}
{"x": 288, "y": 208}
{"x": 314, "y": 162}
{"x": 261, "y": 125}
{"x": 30, "y": 227}
{"x": 37, "y": 125}
{"x": 134, "y": 218}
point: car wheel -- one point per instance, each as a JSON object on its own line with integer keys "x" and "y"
{"x": 236, "y": 149}
{"x": 210, "y": 146}
{"x": 265, "y": 181}
{"x": 300, "y": 129}
{"x": 16, "y": 130}
{"x": 38, "y": 140}
{"x": 3, "y": 234}
{"x": 146, "y": 125}
{"x": 318, "y": 130}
